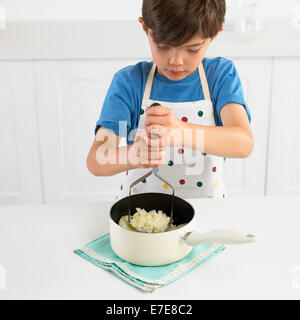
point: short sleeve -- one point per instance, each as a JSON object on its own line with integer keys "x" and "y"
{"x": 227, "y": 88}
{"x": 116, "y": 112}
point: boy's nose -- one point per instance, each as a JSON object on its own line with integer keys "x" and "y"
{"x": 175, "y": 59}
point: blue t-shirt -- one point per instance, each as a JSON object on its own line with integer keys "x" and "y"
{"x": 124, "y": 97}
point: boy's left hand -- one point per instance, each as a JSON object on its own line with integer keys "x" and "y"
{"x": 162, "y": 121}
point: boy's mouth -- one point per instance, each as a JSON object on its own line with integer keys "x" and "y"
{"x": 176, "y": 73}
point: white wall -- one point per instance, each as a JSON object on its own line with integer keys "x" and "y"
{"x": 72, "y": 9}
{"x": 71, "y": 78}
{"x": 111, "y": 10}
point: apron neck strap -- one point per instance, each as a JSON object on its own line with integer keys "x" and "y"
{"x": 203, "y": 81}
{"x": 149, "y": 83}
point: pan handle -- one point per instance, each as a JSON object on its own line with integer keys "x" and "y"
{"x": 224, "y": 236}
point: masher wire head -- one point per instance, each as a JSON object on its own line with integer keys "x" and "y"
{"x": 154, "y": 171}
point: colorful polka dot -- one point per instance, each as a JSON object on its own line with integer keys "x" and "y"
{"x": 121, "y": 187}
{"x": 200, "y": 113}
{"x": 216, "y": 184}
{"x": 212, "y": 114}
{"x": 126, "y": 173}
{"x": 144, "y": 180}
{"x": 192, "y": 164}
{"x": 185, "y": 119}
{"x": 170, "y": 163}
{"x": 142, "y": 111}
{"x": 203, "y": 153}
{"x": 180, "y": 151}
{"x": 135, "y": 190}
{"x": 166, "y": 186}
{"x": 214, "y": 169}
{"x": 182, "y": 181}
{"x": 199, "y": 184}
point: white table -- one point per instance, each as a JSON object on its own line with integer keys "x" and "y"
{"x": 37, "y": 259}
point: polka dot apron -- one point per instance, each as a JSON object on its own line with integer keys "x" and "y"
{"x": 192, "y": 174}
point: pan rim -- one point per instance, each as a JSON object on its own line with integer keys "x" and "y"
{"x": 151, "y": 233}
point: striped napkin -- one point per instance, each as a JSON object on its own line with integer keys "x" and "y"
{"x": 147, "y": 279}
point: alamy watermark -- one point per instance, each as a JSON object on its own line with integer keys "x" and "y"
{"x": 2, "y": 18}
{"x": 173, "y": 143}
{"x": 2, "y": 278}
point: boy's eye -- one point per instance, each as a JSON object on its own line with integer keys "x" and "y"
{"x": 167, "y": 48}
{"x": 194, "y": 51}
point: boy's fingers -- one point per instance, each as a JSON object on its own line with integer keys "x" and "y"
{"x": 153, "y": 142}
{"x": 150, "y": 156}
{"x": 149, "y": 148}
{"x": 140, "y": 134}
{"x": 157, "y": 110}
{"x": 155, "y": 120}
{"x": 156, "y": 129}
{"x": 158, "y": 143}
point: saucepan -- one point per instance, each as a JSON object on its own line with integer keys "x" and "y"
{"x": 161, "y": 248}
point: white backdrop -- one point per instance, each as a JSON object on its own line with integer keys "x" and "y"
{"x": 54, "y": 77}
{"x": 110, "y": 10}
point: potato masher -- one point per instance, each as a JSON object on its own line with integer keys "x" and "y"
{"x": 155, "y": 172}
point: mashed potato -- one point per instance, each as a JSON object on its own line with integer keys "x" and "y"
{"x": 150, "y": 222}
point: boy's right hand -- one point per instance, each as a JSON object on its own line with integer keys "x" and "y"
{"x": 146, "y": 152}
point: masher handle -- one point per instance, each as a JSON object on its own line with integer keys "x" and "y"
{"x": 154, "y": 135}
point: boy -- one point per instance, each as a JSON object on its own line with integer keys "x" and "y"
{"x": 194, "y": 97}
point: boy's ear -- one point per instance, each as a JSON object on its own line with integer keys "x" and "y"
{"x": 141, "y": 21}
{"x": 220, "y": 30}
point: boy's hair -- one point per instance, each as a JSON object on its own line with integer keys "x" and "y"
{"x": 174, "y": 22}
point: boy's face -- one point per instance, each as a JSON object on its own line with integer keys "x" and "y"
{"x": 176, "y": 63}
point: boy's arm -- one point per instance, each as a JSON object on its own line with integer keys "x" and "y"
{"x": 106, "y": 158}
{"x": 106, "y": 149}
{"x": 232, "y": 140}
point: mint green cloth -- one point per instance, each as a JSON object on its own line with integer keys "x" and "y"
{"x": 100, "y": 253}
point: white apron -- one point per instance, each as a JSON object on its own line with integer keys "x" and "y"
{"x": 192, "y": 174}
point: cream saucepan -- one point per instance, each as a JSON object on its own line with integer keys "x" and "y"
{"x": 156, "y": 249}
